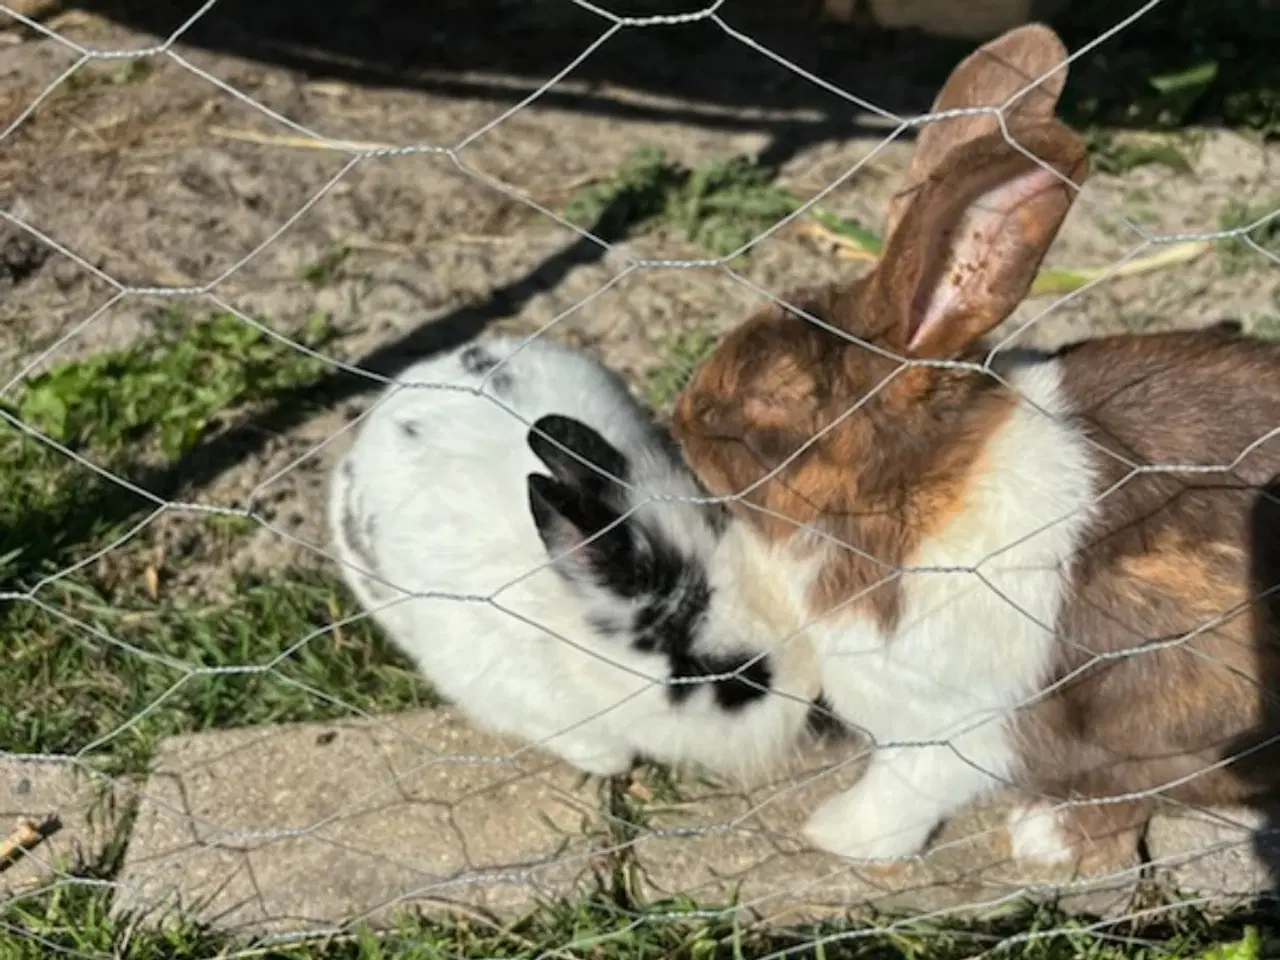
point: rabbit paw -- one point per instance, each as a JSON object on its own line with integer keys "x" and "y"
{"x": 862, "y": 827}
{"x": 596, "y": 759}
{"x": 1036, "y": 834}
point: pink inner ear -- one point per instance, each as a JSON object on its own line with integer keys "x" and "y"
{"x": 991, "y": 254}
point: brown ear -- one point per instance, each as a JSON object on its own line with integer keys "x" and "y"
{"x": 1000, "y": 69}
{"x": 972, "y": 239}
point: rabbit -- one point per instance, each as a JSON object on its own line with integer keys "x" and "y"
{"x": 550, "y": 602}
{"x": 1002, "y": 593}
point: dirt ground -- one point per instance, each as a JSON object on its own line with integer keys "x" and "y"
{"x": 158, "y": 177}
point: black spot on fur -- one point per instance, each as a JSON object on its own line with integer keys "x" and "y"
{"x": 597, "y": 543}
{"x": 477, "y": 360}
{"x": 822, "y": 720}
{"x": 359, "y": 537}
{"x": 670, "y": 625}
{"x": 409, "y": 429}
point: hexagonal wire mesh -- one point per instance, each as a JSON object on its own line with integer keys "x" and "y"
{"x": 211, "y": 722}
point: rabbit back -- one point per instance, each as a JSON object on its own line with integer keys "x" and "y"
{"x": 431, "y": 500}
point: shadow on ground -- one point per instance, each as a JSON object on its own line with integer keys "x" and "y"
{"x": 1209, "y": 58}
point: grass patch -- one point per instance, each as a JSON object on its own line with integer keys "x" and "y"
{"x": 167, "y": 392}
{"x": 96, "y": 661}
{"x": 1108, "y": 154}
{"x": 1236, "y": 254}
{"x": 1190, "y": 62}
{"x": 122, "y": 411}
{"x": 720, "y": 207}
{"x": 74, "y": 921}
{"x": 130, "y": 658}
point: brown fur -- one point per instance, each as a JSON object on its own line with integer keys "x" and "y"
{"x": 987, "y": 77}
{"x": 828, "y": 428}
{"x": 1170, "y": 554}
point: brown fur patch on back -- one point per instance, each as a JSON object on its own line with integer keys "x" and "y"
{"x": 1169, "y": 629}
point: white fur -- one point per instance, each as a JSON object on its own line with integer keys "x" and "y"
{"x": 935, "y": 694}
{"x": 445, "y": 510}
{"x": 1036, "y": 836}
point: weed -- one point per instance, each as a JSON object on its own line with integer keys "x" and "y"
{"x": 723, "y": 206}
{"x": 1192, "y": 62}
{"x": 322, "y": 272}
{"x": 1110, "y": 155}
{"x": 638, "y": 193}
{"x": 720, "y": 207}
{"x": 1238, "y": 254}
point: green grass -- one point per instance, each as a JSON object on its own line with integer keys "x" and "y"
{"x": 1235, "y": 253}
{"x": 123, "y": 411}
{"x": 1184, "y": 62}
{"x": 170, "y": 389}
{"x": 97, "y": 650}
{"x": 720, "y": 206}
{"x": 134, "y": 670}
{"x": 74, "y": 921}
{"x": 1107, "y": 154}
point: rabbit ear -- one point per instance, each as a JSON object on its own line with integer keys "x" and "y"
{"x": 578, "y": 456}
{"x": 586, "y": 538}
{"x": 973, "y": 238}
{"x": 1028, "y": 62}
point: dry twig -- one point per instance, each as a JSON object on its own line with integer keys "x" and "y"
{"x": 26, "y": 835}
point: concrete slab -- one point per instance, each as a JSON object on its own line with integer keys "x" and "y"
{"x": 1223, "y": 854}
{"x": 309, "y": 826}
{"x": 312, "y": 826}
{"x": 77, "y": 811}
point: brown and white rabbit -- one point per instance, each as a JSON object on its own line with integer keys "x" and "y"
{"x": 1017, "y": 584}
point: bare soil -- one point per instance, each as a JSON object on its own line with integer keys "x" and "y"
{"x": 159, "y": 177}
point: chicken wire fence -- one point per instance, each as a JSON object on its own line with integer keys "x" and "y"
{"x": 428, "y": 809}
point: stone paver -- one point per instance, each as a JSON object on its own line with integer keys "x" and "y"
{"x": 310, "y": 826}
{"x": 1217, "y": 853}
{"x": 83, "y": 809}
{"x": 307, "y": 826}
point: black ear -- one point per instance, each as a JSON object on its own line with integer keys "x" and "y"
{"x": 578, "y": 456}
{"x": 588, "y": 539}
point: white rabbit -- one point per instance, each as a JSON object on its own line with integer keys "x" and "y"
{"x": 663, "y": 637}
